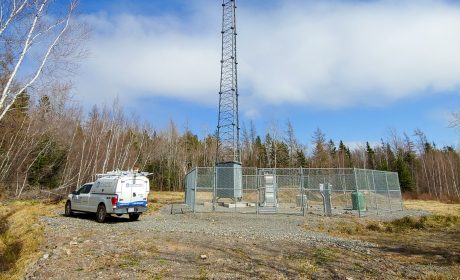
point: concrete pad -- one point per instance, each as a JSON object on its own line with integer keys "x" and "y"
{"x": 236, "y": 205}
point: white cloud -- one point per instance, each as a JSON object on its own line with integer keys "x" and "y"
{"x": 319, "y": 53}
{"x": 132, "y": 56}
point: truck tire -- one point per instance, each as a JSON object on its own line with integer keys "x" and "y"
{"x": 101, "y": 213}
{"x": 68, "y": 209}
{"x": 134, "y": 217}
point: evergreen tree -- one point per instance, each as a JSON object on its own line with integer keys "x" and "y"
{"x": 261, "y": 153}
{"x": 332, "y": 153}
{"x": 344, "y": 154}
{"x": 20, "y": 107}
{"x": 405, "y": 176}
{"x": 390, "y": 158}
{"x": 370, "y": 156}
{"x": 45, "y": 170}
{"x": 301, "y": 159}
{"x": 282, "y": 155}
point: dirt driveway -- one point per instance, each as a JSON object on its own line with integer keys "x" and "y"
{"x": 216, "y": 246}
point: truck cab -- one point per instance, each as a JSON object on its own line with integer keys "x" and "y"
{"x": 80, "y": 197}
{"x": 117, "y": 192}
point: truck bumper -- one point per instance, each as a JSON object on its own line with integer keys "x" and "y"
{"x": 128, "y": 210}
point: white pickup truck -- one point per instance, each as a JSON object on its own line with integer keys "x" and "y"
{"x": 117, "y": 192}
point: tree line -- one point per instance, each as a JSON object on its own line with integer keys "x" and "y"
{"x": 51, "y": 144}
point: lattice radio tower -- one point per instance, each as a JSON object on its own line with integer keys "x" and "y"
{"x": 228, "y": 128}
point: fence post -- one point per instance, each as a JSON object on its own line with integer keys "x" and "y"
{"x": 302, "y": 192}
{"x": 194, "y": 190}
{"x": 308, "y": 185}
{"x": 375, "y": 192}
{"x": 388, "y": 190}
{"x": 400, "y": 194}
{"x": 257, "y": 190}
{"x": 357, "y": 191}
{"x": 366, "y": 173}
{"x": 186, "y": 189}
{"x": 214, "y": 190}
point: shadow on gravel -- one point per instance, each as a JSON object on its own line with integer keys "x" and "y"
{"x": 438, "y": 247}
{"x": 448, "y": 257}
{"x": 92, "y": 217}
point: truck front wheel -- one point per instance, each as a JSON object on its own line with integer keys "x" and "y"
{"x": 68, "y": 209}
{"x": 101, "y": 213}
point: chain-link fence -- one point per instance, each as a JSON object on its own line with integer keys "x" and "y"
{"x": 295, "y": 191}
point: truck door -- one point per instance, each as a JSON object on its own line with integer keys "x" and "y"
{"x": 84, "y": 197}
{"x": 137, "y": 192}
{"x": 76, "y": 198}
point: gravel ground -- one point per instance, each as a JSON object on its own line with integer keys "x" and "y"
{"x": 209, "y": 246}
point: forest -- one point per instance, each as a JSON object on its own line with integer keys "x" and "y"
{"x": 51, "y": 144}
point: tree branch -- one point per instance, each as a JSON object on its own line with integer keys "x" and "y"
{"x": 14, "y": 12}
{"x": 6, "y": 90}
{"x": 43, "y": 63}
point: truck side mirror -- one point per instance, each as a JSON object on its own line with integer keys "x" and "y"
{"x": 75, "y": 193}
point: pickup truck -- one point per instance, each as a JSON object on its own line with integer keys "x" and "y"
{"x": 118, "y": 192}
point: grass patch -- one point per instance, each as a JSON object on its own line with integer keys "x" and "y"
{"x": 159, "y": 199}
{"x": 203, "y": 274}
{"x": 436, "y": 207}
{"x": 362, "y": 227}
{"x": 436, "y": 222}
{"x": 166, "y": 197}
{"x": 240, "y": 253}
{"x": 130, "y": 261}
{"x": 303, "y": 265}
{"x": 416, "y": 241}
{"x": 20, "y": 236}
{"x": 324, "y": 255}
{"x": 306, "y": 268}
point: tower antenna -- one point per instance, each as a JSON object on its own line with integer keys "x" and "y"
{"x": 228, "y": 127}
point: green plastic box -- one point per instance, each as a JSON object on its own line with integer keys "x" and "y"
{"x": 357, "y": 201}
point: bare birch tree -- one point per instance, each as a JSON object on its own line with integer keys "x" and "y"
{"x": 28, "y": 30}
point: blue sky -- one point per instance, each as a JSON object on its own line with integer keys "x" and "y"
{"x": 355, "y": 69}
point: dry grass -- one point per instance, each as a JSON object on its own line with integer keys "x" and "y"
{"x": 20, "y": 236}
{"x": 435, "y": 207}
{"x": 425, "y": 241}
{"x": 435, "y": 222}
{"x": 158, "y": 199}
{"x": 420, "y": 241}
{"x": 166, "y": 197}
{"x": 430, "y": 197}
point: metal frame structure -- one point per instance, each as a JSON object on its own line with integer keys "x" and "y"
{"x": 228, "y": 141}
{"x": 326, "y": 191}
